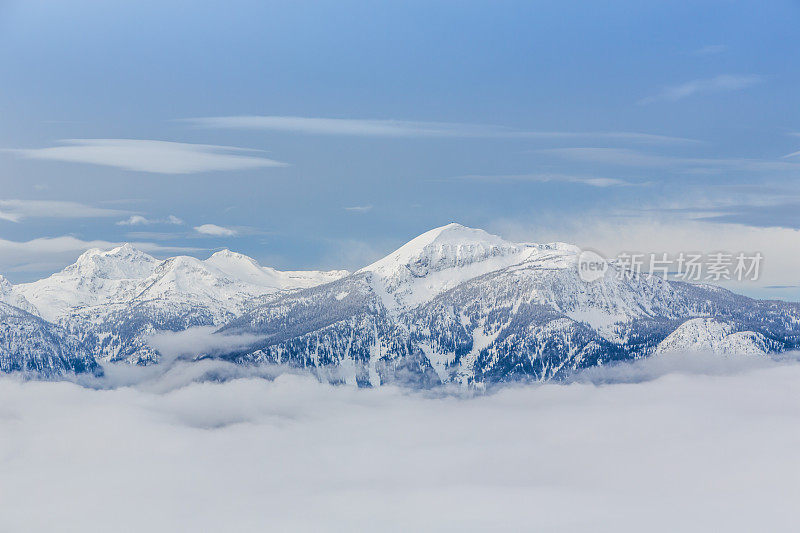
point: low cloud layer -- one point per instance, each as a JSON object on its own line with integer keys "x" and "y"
{"x": 151, "y": 156}
{"x": 198, "y": 340}
{"x": 706, "y": 446}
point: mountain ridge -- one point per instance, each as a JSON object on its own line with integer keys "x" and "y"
{"x": 453, "y": 305}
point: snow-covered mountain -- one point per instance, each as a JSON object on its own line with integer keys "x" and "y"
{"x": 127, "y": 275}
{"x": 113, "y": 300}
{"x": 454, "y": 305}
{"x": 460, "y": 305}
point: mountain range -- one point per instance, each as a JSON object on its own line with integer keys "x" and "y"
{"x": 454, "y": 305}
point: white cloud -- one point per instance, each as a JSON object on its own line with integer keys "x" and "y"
{"x": 547, "y": 178}
{"x": 216, "y": 231}
{"x": 151, "y": 156}
{"x": 135, "y": 220}
{"x": 696, "y": 448}
{"x": 359, "y": 208}
{"x": 139, "y": 220}
{"x": 721, "y": 83}
{"x": 17, "y": 210}
{"x": 405, "y": 128}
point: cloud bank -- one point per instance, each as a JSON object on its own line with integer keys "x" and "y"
{"x": 698, "y": 449}
{"x": 160, "y": 157}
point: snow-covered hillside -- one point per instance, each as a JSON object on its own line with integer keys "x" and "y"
{"x": 713, "y": 335}
{"x": 11, "y": 297}
{"x": 29, "y": 344}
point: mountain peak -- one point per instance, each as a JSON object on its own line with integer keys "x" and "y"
{"x": 126, "y": 249}
{"x": 227, "y": 255}
{"x": 238, "y": 265}
{"x": 440, "y": 259}
{"x": 444, "y": 247}
{"x": 122, "y": 262}
{"x": 454, "y": 234}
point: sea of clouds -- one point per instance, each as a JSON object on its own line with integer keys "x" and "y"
{"x": 677, "y": 443}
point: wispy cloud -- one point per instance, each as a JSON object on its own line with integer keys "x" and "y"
{"x": 139, "y": 220}
{"x": 710, "y": 50}
{"x": 215, "y": 231}
{"x": 404, "y": 128}
{"x": 721, "y": 83}
{"x": 17, "y": 210}
{"x": 547, "y": 178}
{"x": 774, "y": 215}
{"x": 161, "y": 157}
{"x": 359, "y": 208}
{"x": 635, "y": 158}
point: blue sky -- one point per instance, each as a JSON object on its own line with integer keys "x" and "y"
{"x": 324, "y": 134}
